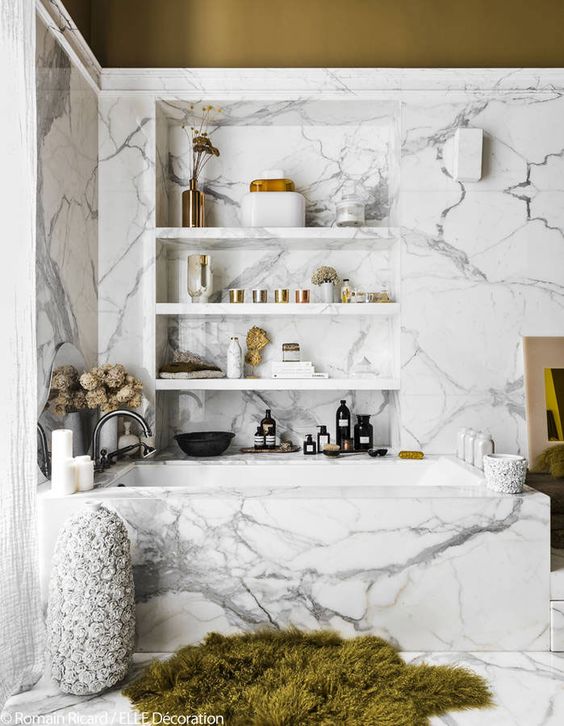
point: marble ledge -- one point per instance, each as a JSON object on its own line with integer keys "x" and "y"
{"x": 294, "y": 82}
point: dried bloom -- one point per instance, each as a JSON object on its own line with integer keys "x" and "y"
{"x": 79, "y": 400}
{"x": 114, "y": 375}
{"x": 89, "y": 381}
{"x": 324, "y": 274}
{"x": 96, "y": 397}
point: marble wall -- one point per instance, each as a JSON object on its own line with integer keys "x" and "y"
{"x": 67, "y": 207}
{"x": 481, "y": 263}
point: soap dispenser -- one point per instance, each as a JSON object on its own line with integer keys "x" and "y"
{"x": 309, "y": 446}
{"x": 323, "y": 437}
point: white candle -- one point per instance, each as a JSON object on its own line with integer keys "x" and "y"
{"x": 63, "y": 479}
{"x": 61, "y": 446}
{"x": 84, "y": 473}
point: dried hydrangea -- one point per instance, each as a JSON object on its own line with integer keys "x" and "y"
{"x": 65, "y": 386}
{"x": 324, "y": 274}
{"x": 111, "y": 387}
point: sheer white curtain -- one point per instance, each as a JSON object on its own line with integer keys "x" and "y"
{"x": 20, "y": 615}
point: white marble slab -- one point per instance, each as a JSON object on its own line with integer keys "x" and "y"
{"x": 527, "y": 691}
{"x": 67, "y": 207}
{"x": 557, "y": 625}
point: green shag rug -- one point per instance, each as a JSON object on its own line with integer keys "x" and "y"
{"x": 290, "y": 678}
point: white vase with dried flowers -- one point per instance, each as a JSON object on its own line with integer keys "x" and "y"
{"x": 325, "y": 278}
{"x": 193, "y": 199}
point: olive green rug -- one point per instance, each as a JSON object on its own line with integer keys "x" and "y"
{"x": 290, "y": 678}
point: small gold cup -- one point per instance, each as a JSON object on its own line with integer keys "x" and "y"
{"x": 260, "y": 296}
{"x": 282, "y": 295}
{"x": 302, "y": 296}
{"x": 236, "y": 295}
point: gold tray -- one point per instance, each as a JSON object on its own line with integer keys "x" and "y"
{"x": 277, "y": 450}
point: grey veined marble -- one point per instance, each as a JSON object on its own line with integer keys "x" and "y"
{"x": 91, "y": 612}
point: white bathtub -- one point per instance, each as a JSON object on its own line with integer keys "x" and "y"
{"x": 357, "y": 472}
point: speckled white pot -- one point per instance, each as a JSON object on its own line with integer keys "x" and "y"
{"x": 505, "y": 472}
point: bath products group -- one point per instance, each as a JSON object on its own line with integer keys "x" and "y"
{"x": 472, "y": 446}
{"x": 348, "y": 438}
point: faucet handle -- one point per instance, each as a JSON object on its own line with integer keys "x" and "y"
{"x": 104, "y": 460}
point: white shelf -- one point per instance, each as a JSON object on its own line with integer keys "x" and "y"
{"x": 276, "y": 384}
{"x": 331, "y": 238}
{"x": 200, "y": 310}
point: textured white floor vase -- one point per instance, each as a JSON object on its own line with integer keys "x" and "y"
{"x": 91, "y": 610}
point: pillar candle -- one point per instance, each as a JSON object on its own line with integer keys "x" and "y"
{"x": 63, "y": 477}
{"x": 84, "y": 473}
{"x": 61, "y": 446}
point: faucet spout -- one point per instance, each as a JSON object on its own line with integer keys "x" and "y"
{"x": 120, "y": 412}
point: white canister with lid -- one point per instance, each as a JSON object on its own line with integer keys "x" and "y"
{"x": 273, "y": 208}
{"x": 469, "y": 446}
{"x": 460, "y": 443}
{"x": 483, "y": 446}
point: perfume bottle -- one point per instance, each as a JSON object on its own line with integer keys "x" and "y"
{"x": 323, "y": 437}
{"x": 259, "y": 438}
{"x": 346, "y": 291}
{"x": 343, "y": 428}
{"x": 268, "y": 426}
{"x": 363, "y": 433}
{"x": 309, "y": 446}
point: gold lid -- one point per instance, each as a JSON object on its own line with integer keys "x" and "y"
{"x": 272, "y": 185}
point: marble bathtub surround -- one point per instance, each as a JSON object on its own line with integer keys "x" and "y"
{"x": 344, "y": 544}
{"x": 505, "y": 472}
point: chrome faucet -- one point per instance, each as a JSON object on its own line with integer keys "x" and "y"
{"x": 102, "y": 462}
{"x": 45, "y": 465}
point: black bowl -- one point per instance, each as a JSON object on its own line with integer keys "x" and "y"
{"x": 377, "y": 452}
{"x": 204, "y": 443}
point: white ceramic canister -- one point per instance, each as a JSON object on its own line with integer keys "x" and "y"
{"x": 469, "y": 446}
{"x": 505, "y": 473}
{"x": 483, "y": 445}
{"x": 460, "y": 443}
{"x": 273, "y": 208}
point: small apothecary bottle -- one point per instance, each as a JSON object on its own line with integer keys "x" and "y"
{"x": 323, "y": 437}
{"x": 268, "y": 426}
{"x": 363, "y": 433}
{"x": 343, "y": 427}
{"x": 346, "y": 291}
{"x": 309, "y": 446}
{"x": 260, "y": 442}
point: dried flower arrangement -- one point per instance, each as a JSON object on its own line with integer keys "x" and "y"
{"x": 66, "y": 395}
{"x": 202, "y": 147}
{"x": 324, "y": 274}
{"x": 257, "y": 339}
{"x": 111, "y": 387}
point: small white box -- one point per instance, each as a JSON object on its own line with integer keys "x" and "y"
{"x": 273, "y": 209}
{"x": 468, "y": 154}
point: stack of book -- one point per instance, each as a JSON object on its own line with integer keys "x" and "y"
{"x": 298, "y": 369}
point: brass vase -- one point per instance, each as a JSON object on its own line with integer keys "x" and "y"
{"x": 193, "y": 211}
